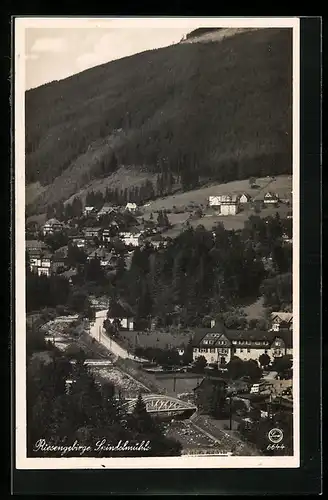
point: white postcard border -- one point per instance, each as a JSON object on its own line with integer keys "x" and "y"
{"x": 183, "y": 462}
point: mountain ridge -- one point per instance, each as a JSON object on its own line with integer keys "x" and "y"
{"x": 206, "y": 111}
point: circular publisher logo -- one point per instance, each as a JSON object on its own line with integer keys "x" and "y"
{"x": 275, "y": 435}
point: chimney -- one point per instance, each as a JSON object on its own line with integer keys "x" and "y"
{"x": 212, "y": 323}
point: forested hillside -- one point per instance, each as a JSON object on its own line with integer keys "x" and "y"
{"x": 217, "y": 111}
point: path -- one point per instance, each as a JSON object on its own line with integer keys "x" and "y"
{"x": 97, "y": 331}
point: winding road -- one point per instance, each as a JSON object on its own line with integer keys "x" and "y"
{"x": 97, "y": 331}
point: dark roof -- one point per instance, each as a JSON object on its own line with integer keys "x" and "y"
{"x": 250, "y": 335}
{"x": 120, "y": 309}
{"x": 247, "y": 335}
{"x": 201, "y": 332}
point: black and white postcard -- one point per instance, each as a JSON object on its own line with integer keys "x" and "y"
{"x": 157, "y": 242}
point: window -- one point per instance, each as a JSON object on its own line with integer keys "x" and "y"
{"x": 196, "y": 349}
{"x": 248, "y": 350}
{"x": 241, "y": 350}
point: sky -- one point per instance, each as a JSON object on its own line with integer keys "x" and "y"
{"x": 56, "y": 53}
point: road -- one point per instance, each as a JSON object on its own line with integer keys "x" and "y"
{"x": 97, "y": 332}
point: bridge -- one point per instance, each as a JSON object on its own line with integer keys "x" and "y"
{"x": 159, "y": 403}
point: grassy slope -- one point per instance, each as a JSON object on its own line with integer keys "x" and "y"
{"x": 217, "y": 99}
{"x": 282, "y": 185}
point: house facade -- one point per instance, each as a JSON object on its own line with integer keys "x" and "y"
{"x": 106, "y": 210}
{"x": 219, "y": 345}
{"x": 103, "y": 255}
{"x": 78, "y": 241}
{"x": 130, "y": 238}
{"x": 41, "y": 265}
{"x": 270, "y": 198}
{"x": 281, "y": 320}
{"x": 52, "y": 226}
{"x": 35, "y": 247}
{"x": 214, "y": 201}
{"x": 57, "y": 263}
{"x": 244, "y": 198}
{"x": 132, "y": 207}
{"x": 229, "y": 204}
{"x": 92, "y": 232}
{"x": 120, "y": 312}
{"x": 89, "y": 210}
{"x": 230, "y": 208}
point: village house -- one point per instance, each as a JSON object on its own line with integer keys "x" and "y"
{"x": 270, "y": 198}
{"x": 121, "y": 312}
{"x": 108, "y": 233}
{"x": 106, "y": 210}
{"x": 103, "y": 255}
{"x": 35, "y": 247}
{"x": 229, "y": 205}
{"x": 92, "y": 232}
{"x": 57, "y": 264}
{"x": 78, "y": 241}
{"x": 89, "y": 210}
{"x": 130, "y": 238}
{"x": 281, "y": 320}
{"x": 39, "y": 256}
{"x": 52, "y": 226}
{"x": 42, "y": 265}
{"x": 286, "y": 239}
{"x": 132, "y": 207}
{"x": 59, "y": 260}
{"x": 244, "y": 198}
{"x": 219, "y": 344}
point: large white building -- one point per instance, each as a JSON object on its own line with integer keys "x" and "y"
{"x": 219, "y": 344}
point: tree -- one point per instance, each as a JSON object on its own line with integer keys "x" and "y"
{"x": 143, "y": 421}
{"x": 252, "y": 181}
{"x": 277, "y": 291}
{"x": 200, "y": 364}
{"x": 252, "y": 370}
{"x": 187, "y": 356}
{"x": 74, "y": 352}
{"x": 78, "y": 301}
{"x": 235, "y": 368}
{"x": 264, "y": 359}
{"x": 218, "y": 400}
{"x": 238, "y": 406}
{"x": 94, "y": 271}
{"x": 282, "y": 364}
